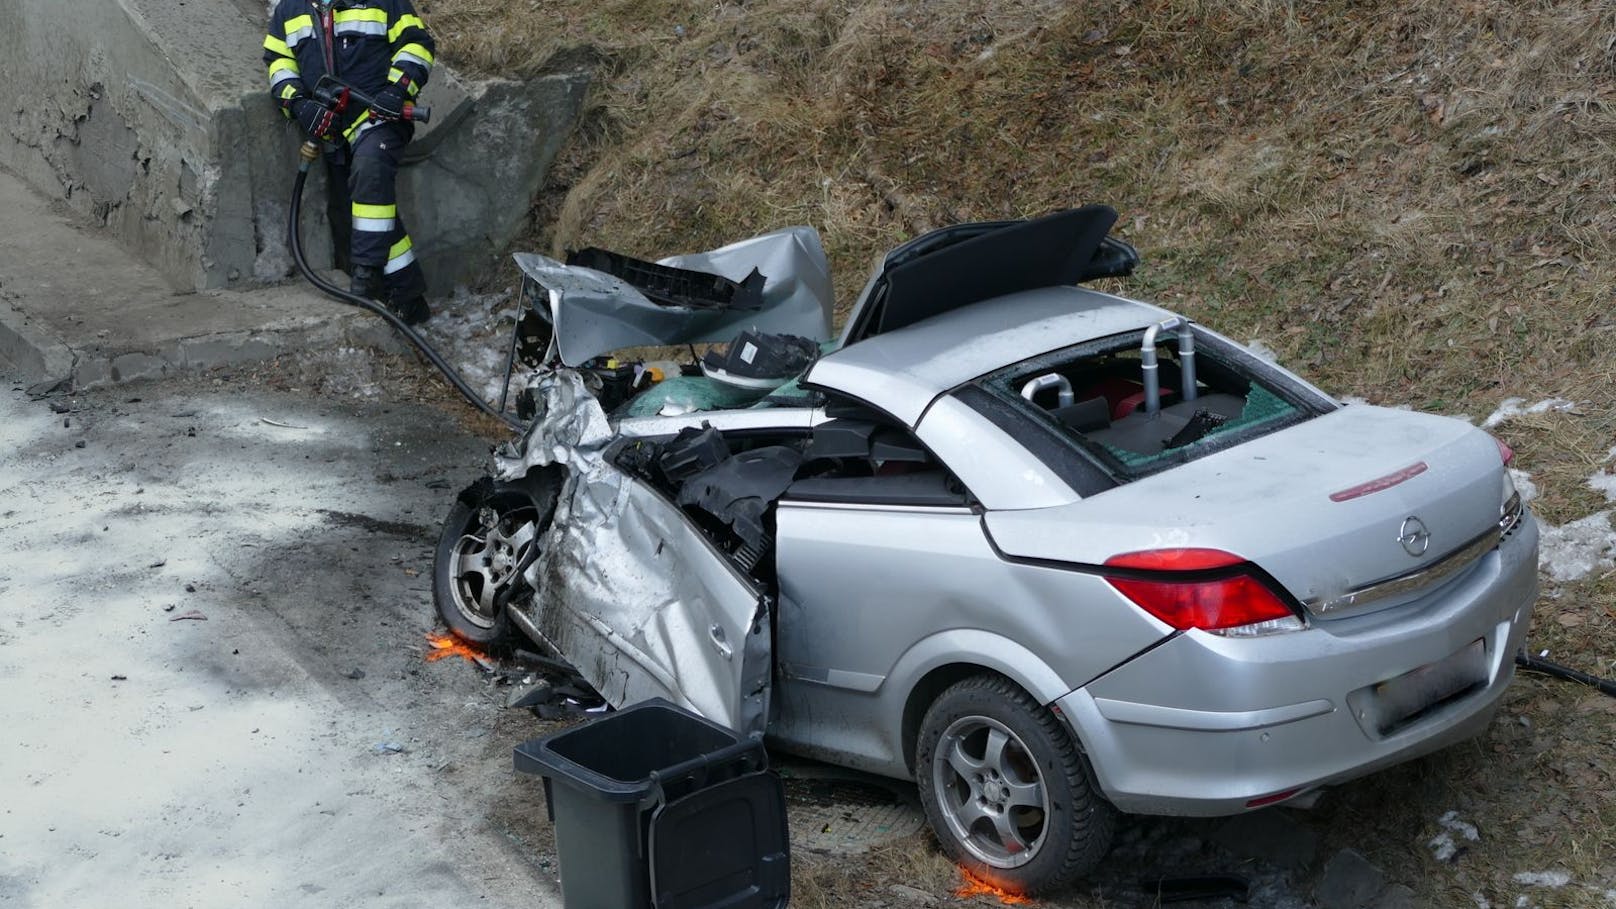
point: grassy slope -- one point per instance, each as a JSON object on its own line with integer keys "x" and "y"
{"x": 1410, "y": 201}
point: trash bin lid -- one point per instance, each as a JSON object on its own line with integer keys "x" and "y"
{"x": 723, "y": 846}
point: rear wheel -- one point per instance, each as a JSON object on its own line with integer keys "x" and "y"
{"x": 490, "y": 533}
{"x": 1004, "y": 788}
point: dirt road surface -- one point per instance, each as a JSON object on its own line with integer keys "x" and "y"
{"x": 212, "y": 684}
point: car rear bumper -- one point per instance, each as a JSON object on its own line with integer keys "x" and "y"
{"x": 1202, "y": 724}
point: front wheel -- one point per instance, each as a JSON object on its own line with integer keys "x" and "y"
{"x": 1004, "y": 788}
{"x": 490, "y": 534}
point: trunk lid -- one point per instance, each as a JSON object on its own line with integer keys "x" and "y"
{"x": 1333, "y": 505}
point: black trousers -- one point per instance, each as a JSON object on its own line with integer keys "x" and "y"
{"x": 363, "y": 209}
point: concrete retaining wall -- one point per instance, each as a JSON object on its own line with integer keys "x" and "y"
{"x": 151, "y": 117}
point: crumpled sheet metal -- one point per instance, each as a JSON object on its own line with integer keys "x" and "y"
{"x": 627, "y": 589}
{"x": 593, "y": 313}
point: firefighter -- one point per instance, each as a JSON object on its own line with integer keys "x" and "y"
{"x": 383, "y": 49}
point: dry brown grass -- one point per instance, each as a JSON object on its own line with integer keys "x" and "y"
{"x": 1410, "y": 201}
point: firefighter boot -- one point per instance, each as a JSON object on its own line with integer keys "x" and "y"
{"x": 413, "y": 310}
{"x": 367, "y": 282}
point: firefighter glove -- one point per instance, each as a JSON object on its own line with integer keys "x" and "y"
{"x": 390, "y": 101}
{"x": 316, "y": 119}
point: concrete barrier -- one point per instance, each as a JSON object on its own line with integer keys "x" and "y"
{"x": 152, "y": 118}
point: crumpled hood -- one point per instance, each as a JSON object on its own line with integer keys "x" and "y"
{"x": 594, "y": 313}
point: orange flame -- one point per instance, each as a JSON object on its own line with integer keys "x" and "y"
{"x": 442, "y": 646}
{"x": 977, "y": 886}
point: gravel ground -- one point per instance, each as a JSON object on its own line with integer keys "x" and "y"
{"x": 212, "y": 681}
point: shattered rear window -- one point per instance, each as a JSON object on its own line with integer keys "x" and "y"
{"x": 1093, "y": 398}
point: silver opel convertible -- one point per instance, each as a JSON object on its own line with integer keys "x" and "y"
{"x": 1050, "y": 553}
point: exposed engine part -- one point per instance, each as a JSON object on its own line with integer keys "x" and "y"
{"x": 691, "y": 452}
{"x": 741, "y": 489}
{"x": 759, "y": 360}
{"x": 669, "y": 286}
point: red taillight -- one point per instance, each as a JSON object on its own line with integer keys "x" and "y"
{"x": 1271, "y": 799}
{"x": 1227, "y": 601}
{"x": 1504, "y": 451}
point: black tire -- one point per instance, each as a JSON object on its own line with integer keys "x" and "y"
{"x": 990, "y": 825}
{"x": 458, "y": 595}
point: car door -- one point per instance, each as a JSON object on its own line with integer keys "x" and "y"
{"x": 864, "y": 563}
{"x": 644, "y": 605}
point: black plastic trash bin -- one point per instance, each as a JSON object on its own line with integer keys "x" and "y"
{"x": 654, "y": 806}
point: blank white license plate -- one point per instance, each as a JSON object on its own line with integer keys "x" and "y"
{"x": 1402, "y": 699}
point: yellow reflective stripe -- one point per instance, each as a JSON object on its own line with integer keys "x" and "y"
{"x": 298, "y": 23}
{"x": 395, "y": 75}
{"x": 287, "y": 92}
{"x": 276, "y": 45}
{"x": 361, "y": 210}
{"x": 401, "y": 247}
{"x": 404, "y": 22}
{"x": 350, "y": 131}
{"x": 282, "y": 69}
{"x": 414, "y": 52}
{"x": 360, "y": 15}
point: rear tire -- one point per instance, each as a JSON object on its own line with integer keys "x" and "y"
{"x": 489, "y": 530}
{"x": 1006, "y": 790}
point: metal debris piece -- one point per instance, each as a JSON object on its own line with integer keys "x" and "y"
{"x": 194, "y": 615}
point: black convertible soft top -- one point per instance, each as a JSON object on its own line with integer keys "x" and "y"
{"x": 968, "y": 263}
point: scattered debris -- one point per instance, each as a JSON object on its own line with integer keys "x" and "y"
{"x": 59, "y": 407}
{"x": 389, "y": 748}
{"x": 158, "y": 564}
{"x": 356, "y": 674}
{"x": 193, "y": 615}
{"x": 270, "y": 422}
{"x": 190, "y": 588}
{"x": 79, "y": 444}
{"x": 120, "y": 678}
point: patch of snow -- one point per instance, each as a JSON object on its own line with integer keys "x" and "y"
{"x": 1521, "y": 901}
{"x": 1443, "y": 845}
{"x": 1352, "y": 399}
{"x": 1543, "y": 878}
{"x": 1523, "y": 484}
{"x": 1512, "y": 407}
{"x": 1604, "y": 482}
{"x": 1578, "y": 549}
{"x": 1481, "y": 901}
{"x": 1611, "y": 456}
{"x": 473, "y": 332}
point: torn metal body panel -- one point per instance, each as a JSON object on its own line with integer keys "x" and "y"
{"x": 625, "y": 587}
{"x": 593, "y": 313}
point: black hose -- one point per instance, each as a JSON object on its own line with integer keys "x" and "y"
{"x": 295, "y": 240}
{"x": 1535, "y": 664}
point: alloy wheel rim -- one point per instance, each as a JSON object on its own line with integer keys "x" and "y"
{"x": 485, "y": 560}
{"x": 990, "y": 792}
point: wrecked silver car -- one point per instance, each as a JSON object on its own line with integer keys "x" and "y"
{"x": 1048, "y": 552}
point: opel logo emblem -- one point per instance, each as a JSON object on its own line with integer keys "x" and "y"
{"x": 1414, "y": 537}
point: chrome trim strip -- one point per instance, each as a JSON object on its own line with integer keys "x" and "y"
{"x": 874, "y": 506}
{"x": 1208, "y": 720}
{"x": 1440, "y": 570}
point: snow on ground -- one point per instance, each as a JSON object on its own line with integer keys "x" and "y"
{"x": 1516, "y": 406}
{"x": 1579, "y": 548}
{"x": 1543, "y": 878}
{"x": 473, "y": 332}
{"x": 1444, "y": 845}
